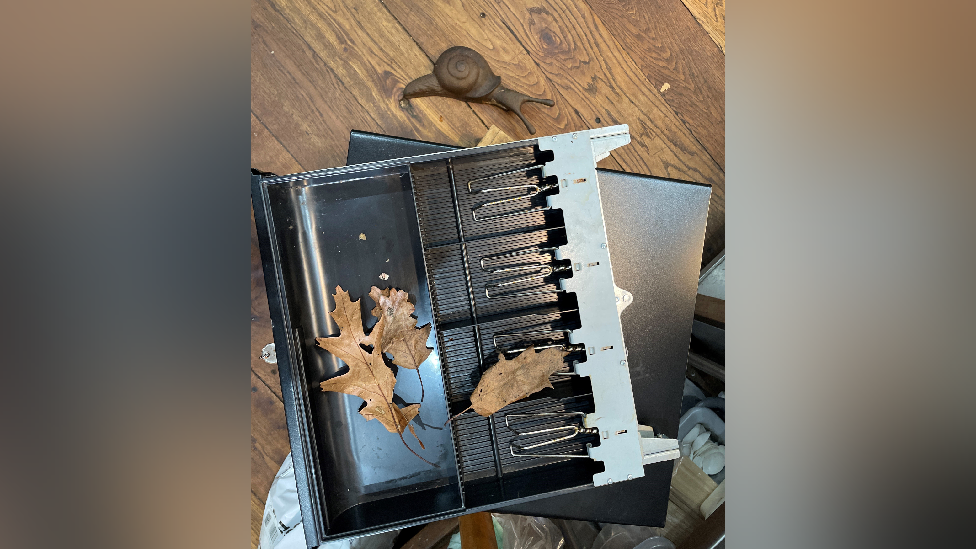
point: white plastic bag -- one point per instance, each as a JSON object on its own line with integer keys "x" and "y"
{"x": 621, "y": 536}
{"x": 282, "y": 526}
{"x": 519, "y": 532}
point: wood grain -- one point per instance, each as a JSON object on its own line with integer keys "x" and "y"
{"x": 680, "y": 523}
{"x": 713, "y": 501}
{"x": 597, "y": 77}
{"x": 447, "y": 23}
{"x": 374, "y": 58}
{"x": 257, "y": 516}
{"x": 710, "y": 534}
{"x": 690, "y": 486}
{"x": 591, "y": 70}
{"x": 300, "y": 100}
{"x": 711, "y": 308}
{"x": 268, "y": 154}
{"x": 677, "y": 56}
{"x": 711, "y": 16}
{"x": 269, "y": 437}
{"x": 478, "y": 532}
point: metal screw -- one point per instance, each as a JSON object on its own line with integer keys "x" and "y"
{"x": 630, "y": 477}
{"x": 554, "y": 138}
{"x": 574, "y": 136}
{"x": 623, "y": 362}
{"x": 604, "y": 246}
{"x": 609, "y": 480}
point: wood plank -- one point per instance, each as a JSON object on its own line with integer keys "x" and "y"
{"x": 678, "y": 58}
{"x": 710, "y": 534}
{"x": 268, "y": 154}
{"x": 269, "y": 436}
{"x": 430, "y": 536}
{"x": 593, "y": 75}
{"x": 711, "y": 308}
{"x": 711, "y": 16}
{"x": 690, "y": 486}
{"x": 300, "y": 101}
{"x": 494, "y": 137}
{"x": 477, "y": 531}
{"x": 374, "y": 58}
{"x": 680, "y": 523}
{"x": 446, "y": 23}
{"x": 257, "y": 515}
{"x": 713, "y": 501}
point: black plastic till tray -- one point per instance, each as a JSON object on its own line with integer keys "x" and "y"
{"x": 353, "y": 476}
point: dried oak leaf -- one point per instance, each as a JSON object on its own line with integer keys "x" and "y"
{"x": 401, "y": 337}
{"x": 511, "y": 380}
{"x": 368, "y": 377}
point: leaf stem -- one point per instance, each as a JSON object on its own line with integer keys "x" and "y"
{"x": 452, "y": 418}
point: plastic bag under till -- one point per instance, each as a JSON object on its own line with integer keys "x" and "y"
{"x": 520, "y": 532}
{"x": 622, "y": 536}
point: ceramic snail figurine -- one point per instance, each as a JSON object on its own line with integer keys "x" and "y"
{"x": 462, "y": 73}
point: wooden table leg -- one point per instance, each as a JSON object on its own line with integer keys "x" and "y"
{"x": 477, "y": 532}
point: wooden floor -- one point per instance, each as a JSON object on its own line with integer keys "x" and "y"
{"x": 320, "y": 68}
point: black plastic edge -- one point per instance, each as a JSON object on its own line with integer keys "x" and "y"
{"x": 314, "y": 528}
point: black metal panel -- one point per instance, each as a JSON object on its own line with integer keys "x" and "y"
{"x": 656, "y": 231}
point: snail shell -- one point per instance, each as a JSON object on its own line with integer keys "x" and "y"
{"x": 464, "y": 72}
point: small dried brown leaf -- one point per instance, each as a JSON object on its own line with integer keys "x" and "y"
{"x": 509, "y": 381}
{"x": 401, "y": 337}
{"x": 368, "y": 377}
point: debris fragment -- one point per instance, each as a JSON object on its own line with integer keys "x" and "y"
{"x": 362, "y": 236}
{"x": 384, "y": 276}
{"x": 665, "y": 87}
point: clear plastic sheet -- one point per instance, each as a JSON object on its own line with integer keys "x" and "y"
{"x": 620, "y": 536}
{"x": 520, "y": 532}
{"x": 579, "y": 534}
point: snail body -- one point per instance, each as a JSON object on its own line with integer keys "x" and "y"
{"x": 462, "y": 73}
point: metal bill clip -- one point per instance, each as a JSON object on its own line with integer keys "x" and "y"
{"x": 537, "y": 336}
{"x": 531, "y": 189}
{"x": 561, "y": 433}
